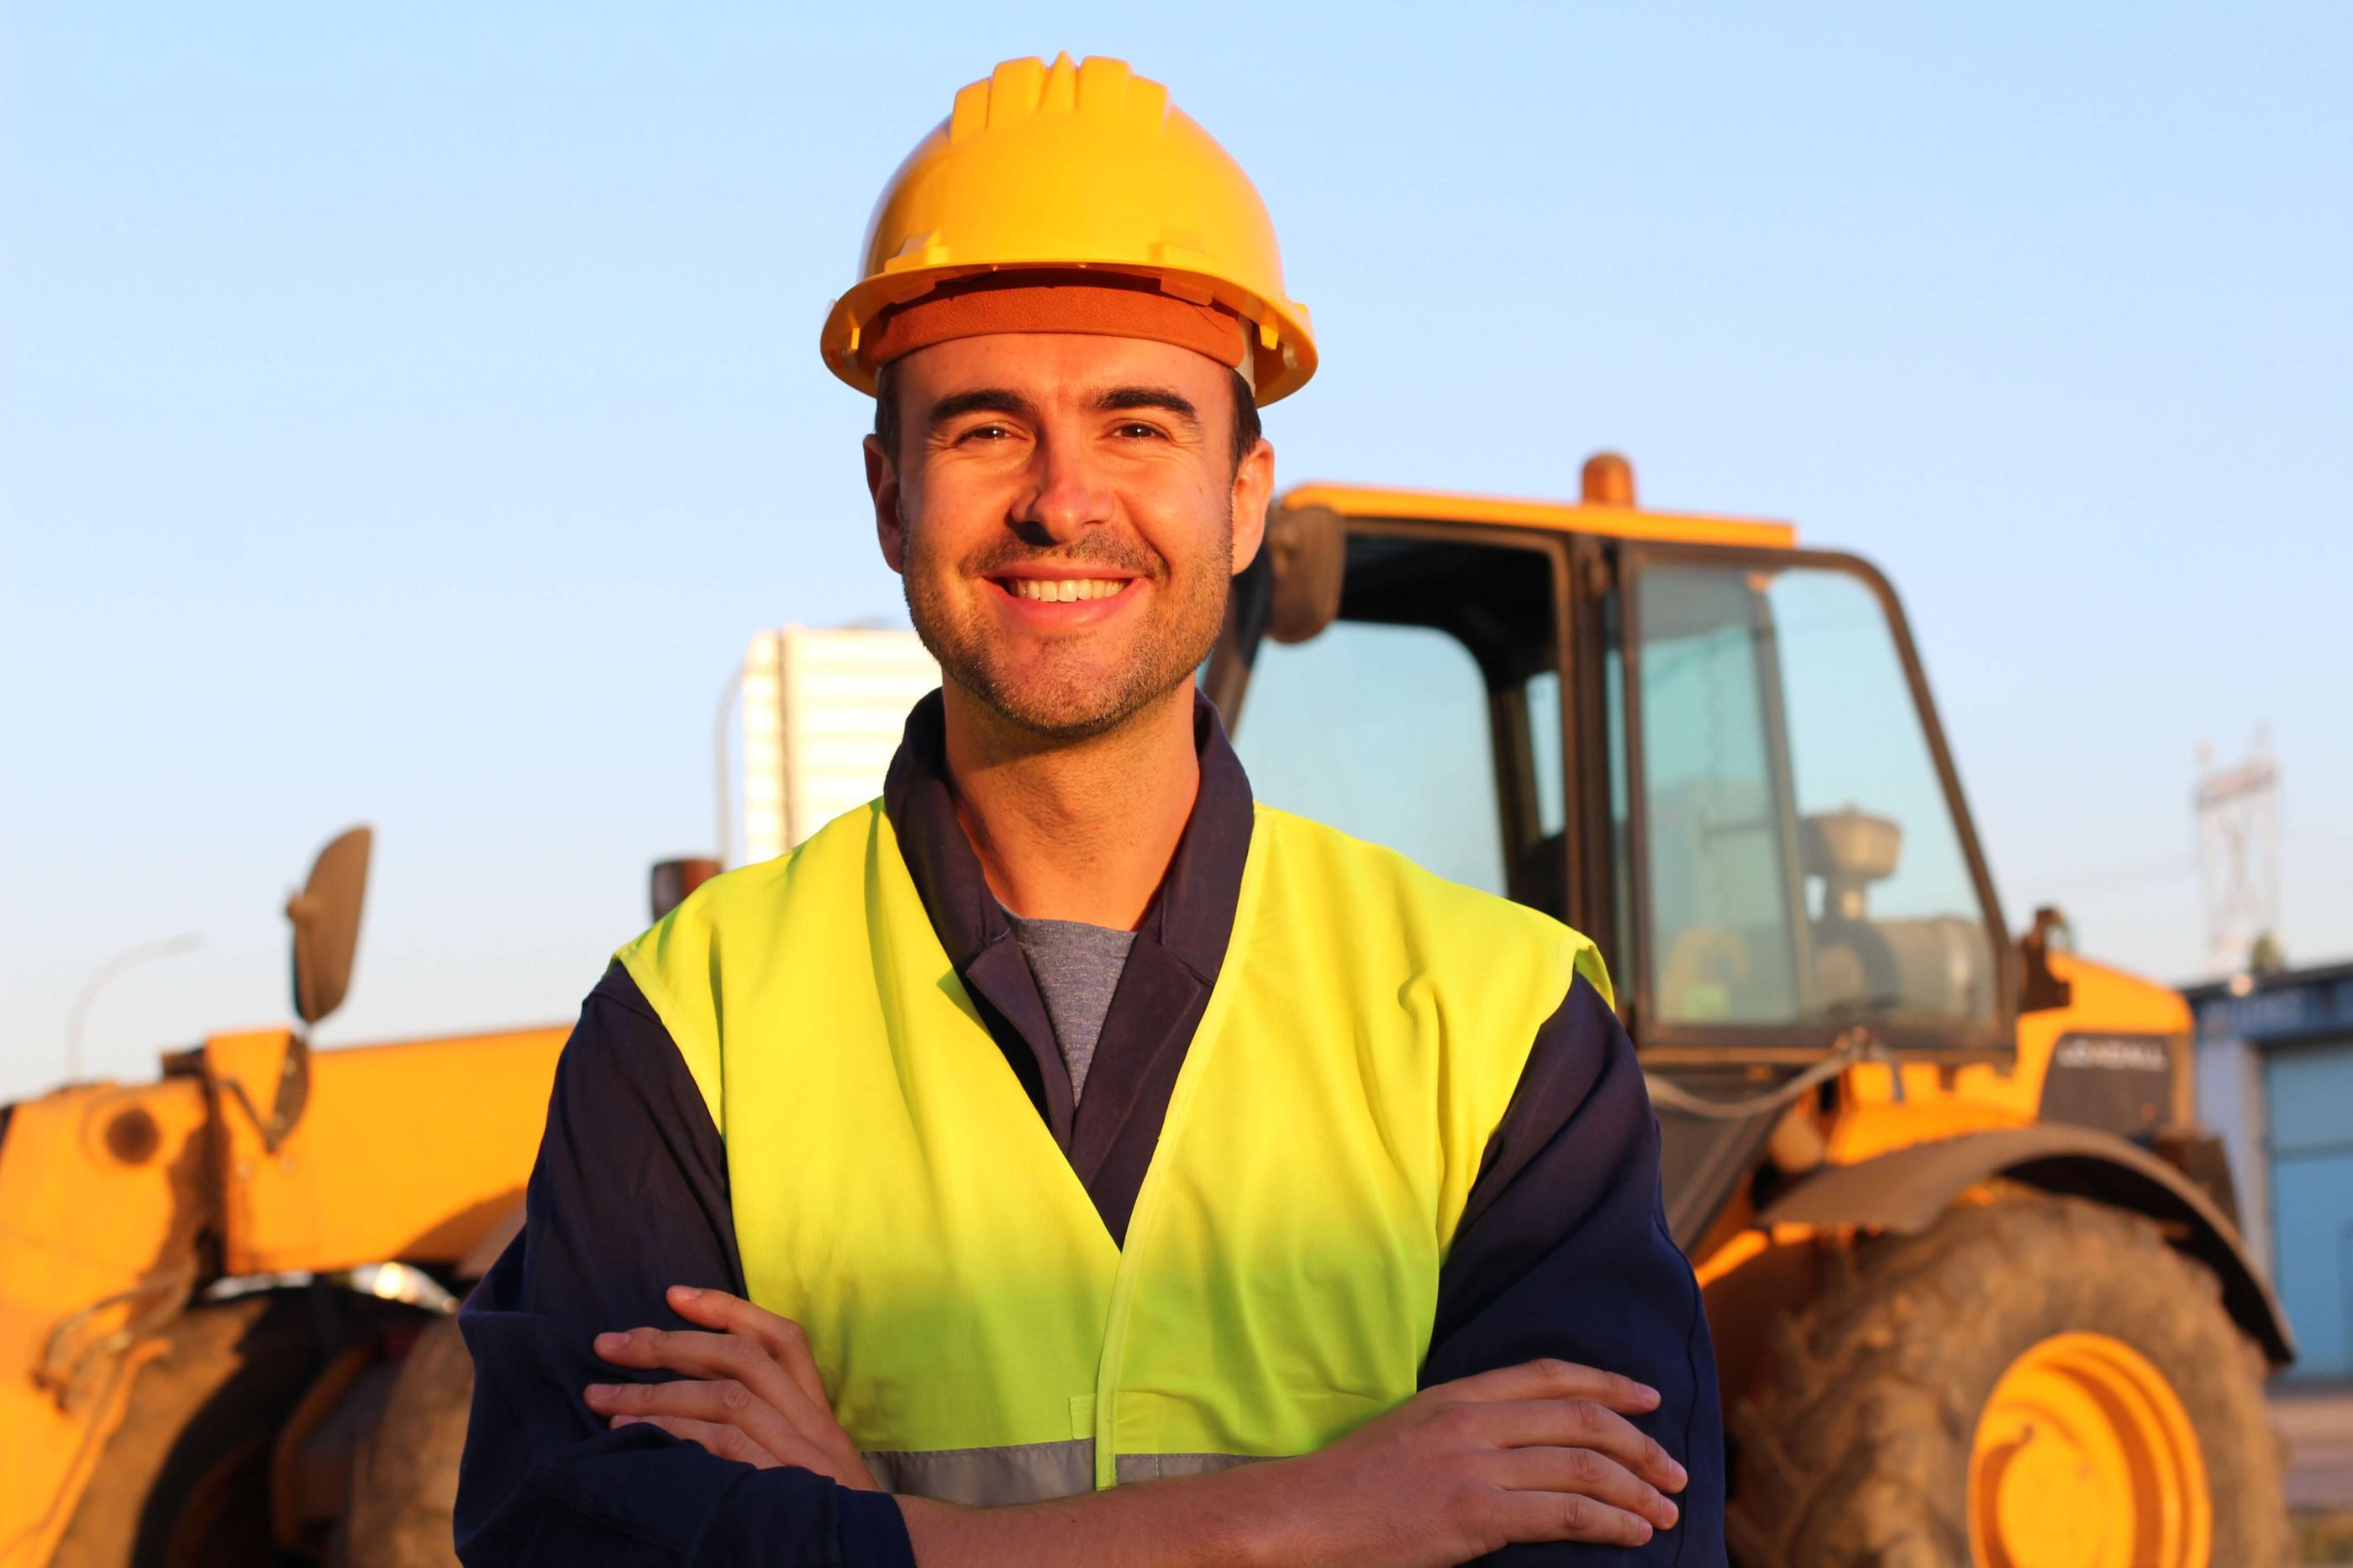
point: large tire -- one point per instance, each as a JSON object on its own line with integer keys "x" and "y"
{"x": 1854, "y": 1448}
{"x": 184, "y": 1481}
{"x": 405, "y": 1486}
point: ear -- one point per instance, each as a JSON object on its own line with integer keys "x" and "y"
{"x": 882, "y": 484}
{"x": 1253, "y": 487}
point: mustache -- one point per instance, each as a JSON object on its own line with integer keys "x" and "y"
{"x": 1131, "y": 556}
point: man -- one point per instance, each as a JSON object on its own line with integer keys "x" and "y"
{"x": 1066, "y": 1159}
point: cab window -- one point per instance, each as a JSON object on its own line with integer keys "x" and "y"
{"x": 1380, "y": 731}
{"x": 1428, "y": 717}
{"x": 1801, "y": 859}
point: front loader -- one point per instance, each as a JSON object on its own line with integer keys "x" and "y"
{"x": 1972, "y": 1269}
{"x": 210, "y": 1283}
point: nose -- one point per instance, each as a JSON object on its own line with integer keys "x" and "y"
{"x": 1065, "y": 496}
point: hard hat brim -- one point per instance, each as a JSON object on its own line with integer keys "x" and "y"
{"x": 1282, "y": 346}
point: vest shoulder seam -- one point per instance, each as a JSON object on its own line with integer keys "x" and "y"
{"x": 636, "y": 1005}
{"x": 666, "y": 1012}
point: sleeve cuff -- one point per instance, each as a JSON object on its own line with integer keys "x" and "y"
{"x": 874, "y": 1532}
{"x": 791, "y": 1517}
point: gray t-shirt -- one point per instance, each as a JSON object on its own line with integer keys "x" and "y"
{"x": 1077, "y": 967}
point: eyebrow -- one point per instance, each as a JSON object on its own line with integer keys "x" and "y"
{"x": 982, "y": 400}
{"x": 1117, "y": 399}
{"x": 1167, "y": 399}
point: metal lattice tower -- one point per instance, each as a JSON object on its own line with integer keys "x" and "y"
{"x": 2238, "y": 858}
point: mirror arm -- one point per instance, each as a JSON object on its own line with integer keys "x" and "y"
{"x": 293, "y": 1094}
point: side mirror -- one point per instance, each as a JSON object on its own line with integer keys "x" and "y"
{"x": 2039, "y": 990}
{"x": 326, "y": 919}
{"x": 1308, "y": 547}
{"x": 1290, "y": 592}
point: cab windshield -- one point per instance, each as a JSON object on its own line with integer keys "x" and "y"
{"x": 1798, "y": 844}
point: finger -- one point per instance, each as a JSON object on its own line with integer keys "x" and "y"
{"x": 740, "y": 1359}
{"x": 785, "y": 1341}
{"x": 707, "y": 1355}
{"x": 704, "y": 1355}
{"x": 1583, "y": 1424}
{"x": 688, "y": 1351}
{"x": 719, "y": 1399}
{"x": 1588, "y": 1472}
{"x": 1568, "y": 1516}
{"x": 720, "y": 1402}
{"x": 720, "y": 1440}
{"x": 1549, "y": 1379}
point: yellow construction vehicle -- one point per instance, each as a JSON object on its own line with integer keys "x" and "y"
{"x": 210, "y": 1284}
{"x": 1972, "y": 1269}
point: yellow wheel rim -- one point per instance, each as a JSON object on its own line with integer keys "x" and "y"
{"x": 2085, "y": 1458}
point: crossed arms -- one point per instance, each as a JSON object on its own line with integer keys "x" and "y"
{"x": 1529, "y": 1453}
{"x": 1560, "y": 1267}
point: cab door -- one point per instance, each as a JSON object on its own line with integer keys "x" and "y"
{"x": 1804, "y": 873}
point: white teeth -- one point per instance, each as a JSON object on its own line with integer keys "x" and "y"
{"x": 1065, "y": 590}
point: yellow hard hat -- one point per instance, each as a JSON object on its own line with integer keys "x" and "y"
{"x": 1075, "y": 168}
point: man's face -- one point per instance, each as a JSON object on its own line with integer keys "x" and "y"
{"x": 1067, "y": 512}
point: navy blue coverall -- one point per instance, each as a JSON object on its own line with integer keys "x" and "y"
{"x": 1562, "y": 1251}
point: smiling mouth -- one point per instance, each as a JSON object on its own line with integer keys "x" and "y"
{"x": 1062, "y": 590}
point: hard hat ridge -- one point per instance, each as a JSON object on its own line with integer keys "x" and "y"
{"x": 1103, "y": 91}
{"x": 1074, "y": 168}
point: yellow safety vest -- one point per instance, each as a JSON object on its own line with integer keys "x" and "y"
{"x": 983, "y": 1338}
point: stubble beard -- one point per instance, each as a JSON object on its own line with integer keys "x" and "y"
{"x": 1060, "y": 698}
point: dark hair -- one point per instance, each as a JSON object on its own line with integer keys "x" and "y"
{"x": 1246, "y": 431}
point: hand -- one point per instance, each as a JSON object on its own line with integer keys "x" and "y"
{"x": 748, "y": 1391}
{"x": 1536, "y": 1452}
{"x": 1541, "y": 1451}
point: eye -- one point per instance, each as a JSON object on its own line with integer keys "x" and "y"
{"x": 1137, "y": 427}
{"x": 987, "y": 433}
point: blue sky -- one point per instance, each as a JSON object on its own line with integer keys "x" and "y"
{"x": 408, "y": 418}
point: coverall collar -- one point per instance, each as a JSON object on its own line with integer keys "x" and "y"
{"x": 1180, "y": 945}
{"x": 1191, "y": 915}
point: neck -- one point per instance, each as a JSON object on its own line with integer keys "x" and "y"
{"x": 1076, "y": 830}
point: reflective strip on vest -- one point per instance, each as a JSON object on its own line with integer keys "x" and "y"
{"x": 990, "y": 1478}
{"x": 1028, "y": 1472}
{"x": 895, "y": 1191}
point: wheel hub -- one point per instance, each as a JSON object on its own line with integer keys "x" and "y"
{"x": 2085, "y": 1457}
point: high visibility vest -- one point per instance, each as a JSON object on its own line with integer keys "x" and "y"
{"x": 982, "y": 1337}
